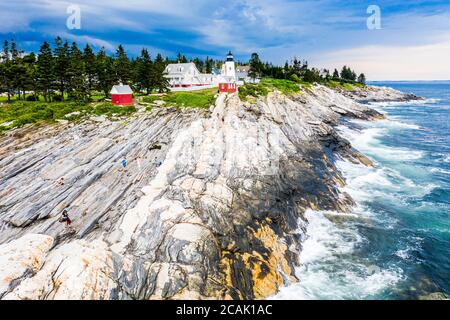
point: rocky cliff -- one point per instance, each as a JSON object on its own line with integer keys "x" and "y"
{"x": 219, "y": 218}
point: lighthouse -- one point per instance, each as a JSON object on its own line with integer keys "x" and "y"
{"x": 227, "y": 82}
{"x": 228, "y": 68}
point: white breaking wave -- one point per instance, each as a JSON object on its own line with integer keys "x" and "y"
{"x": 391, "y": 123}
{"x": 367, "y": 142}
{"x": 329, "y": 265}
{"x": 403, "y": 103}
{"x": 439, "y": 170}
{"x": 326, "y": 272}
{"x": 364, "y": 183}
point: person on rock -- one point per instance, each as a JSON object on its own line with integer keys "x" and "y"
{"x": 65, "y": 217}
{"x": 158, "y": 163}
{"x": 123, "y": 164}
{"x": 61, "y": 181}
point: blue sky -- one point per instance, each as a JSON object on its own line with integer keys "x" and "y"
{"x": 413, "y": 43}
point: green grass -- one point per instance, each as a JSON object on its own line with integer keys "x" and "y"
{"x": 108, "y": 109}
{"x": 267, "y": 85}
{"x": 96, "y": 96}
{"x": 252, "y": 90}
{"x": 191, "y": 99}
{"x": 20, "y": 113}
{"x": 152, "y": 98}
{"x": 344, "y": 85}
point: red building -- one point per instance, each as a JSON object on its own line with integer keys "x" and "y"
{"x": 122, "y": 95}
{"x": 229, "y": 87}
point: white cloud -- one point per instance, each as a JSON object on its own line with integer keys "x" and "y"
{"x": 317, "y": 30}
{"x": 91, "y": 40}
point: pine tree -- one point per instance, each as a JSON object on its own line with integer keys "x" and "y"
{"x": 362, "y": 78}
{"x": 335, "y": 74}
{"x": 90, "y": 68}
{"x": 6, "y": 70}
{"x": 30, "y": 81}
{"x": 160, "y": 81}
{"x": 105, "y": 72}
{"x": 348, "y": 74}
{"x": 297, "y": 67}
{"x": 76, "y": 72}
{"x": 256, "y": 65}
{"x": 61, "y": 54}
{"x": 145, "y": 72}
{"x": 208, "y": 65}
{"x": 122, "y": 66}
{"x": 45, "y": 70}
{"x": 17, "y": 71}
{"x": 286, "y": 69}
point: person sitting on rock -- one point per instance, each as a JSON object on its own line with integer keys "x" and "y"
{"x": 65, "y": 218}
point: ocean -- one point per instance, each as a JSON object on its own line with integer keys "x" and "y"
{"x": 396, "y": 242}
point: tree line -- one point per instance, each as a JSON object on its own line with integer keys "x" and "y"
{"x": 65, "y": 71}
{"x": 300, "y": 70}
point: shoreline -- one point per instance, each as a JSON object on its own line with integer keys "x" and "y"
{"x": 214, "y": 192}
{"x": 365, "y": 254}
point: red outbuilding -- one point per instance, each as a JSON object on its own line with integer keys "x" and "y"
{"x": 229, "y": 87}
{"x": 122, "y": 95}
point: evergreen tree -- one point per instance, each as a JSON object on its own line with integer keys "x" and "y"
{"x": 61, "y": 53}
{"x": 286, "y": 69}
{"x": 362, "y": 78}
{"x": 45, "y": 70}
{"x": 208, "y": 65}
{"x": 256, "y": 66}
{"x": 76, "y": 71}
{"x": 122, "y": 66}
{"x": 6, "y": 70}
{"x": 145, "y": 72}
{"x": 335, "y": 74}
{"x": 312, "y": 75}
{"x": 161, "y": 83}
{"x": 90, "y": 68}
{"x": 105, "y": 72}
{"x": 30, "y": 81}
{"x": 348, "y": 74}
{"x": 297, "y": 67}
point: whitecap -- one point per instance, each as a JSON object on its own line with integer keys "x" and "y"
{"x": 367, "y": 141}
{"x": 384, "y": 104}
{"x": 403, "y": 254}
{"x": 326, "y": 273}
{"x": 439, "y": 170}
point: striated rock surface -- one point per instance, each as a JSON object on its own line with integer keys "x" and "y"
{"x": 218, "y": 218}
{"x": 376, "y": 94}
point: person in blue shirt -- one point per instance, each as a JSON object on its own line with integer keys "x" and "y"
{"x": 123, "y": 164}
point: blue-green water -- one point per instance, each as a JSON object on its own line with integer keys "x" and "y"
{"x": 396, "y": 244}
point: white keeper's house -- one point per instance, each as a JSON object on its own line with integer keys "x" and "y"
{"x": 187, "y": 75}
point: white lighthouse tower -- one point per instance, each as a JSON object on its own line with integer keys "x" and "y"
{"x": 228, "y": 68}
